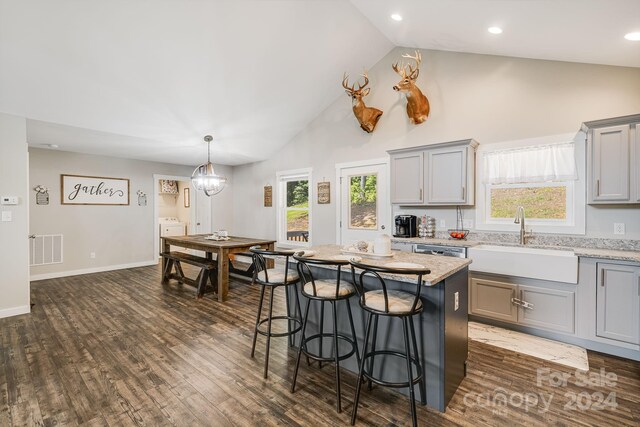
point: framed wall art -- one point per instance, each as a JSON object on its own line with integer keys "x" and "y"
{"x": 94, "y": 190}
{"x": 187, "y": 197}
{"x": 268, "y": 196}
{"x": 324, "y": 193}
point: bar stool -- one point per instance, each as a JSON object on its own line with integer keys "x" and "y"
{"x": 330, "y": 291}
{"x": 273, "y": 278}
{"x": 390, "y": 303}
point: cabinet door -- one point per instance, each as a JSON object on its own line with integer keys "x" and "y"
{"x": 618, "y": 302}
{"x": 610, "y": 164}
{"x": 493, "y": 299}
{"x": 546, "y": 308}
{"x": 446, "y": 170}
{"x": 635, "y": 166}
{"x": 407, "y": 178}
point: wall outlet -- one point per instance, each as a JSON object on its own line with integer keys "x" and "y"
{"x": 443, "y": 224}
{"x": 6, "y": 216}
{"x": 92, "y": 255}
{"x": 618, "y": 228}
{"x": 456, "y": 301}
{"x": 467, "y": 224}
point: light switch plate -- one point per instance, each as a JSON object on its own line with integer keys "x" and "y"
{"x": 456, "y": 303}
{"x": 9, "y": 200}
{"x": 443, "y": 224}
{"x": 6, "y": 216}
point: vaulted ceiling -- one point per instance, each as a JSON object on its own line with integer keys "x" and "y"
{"x": 147, "y": 79}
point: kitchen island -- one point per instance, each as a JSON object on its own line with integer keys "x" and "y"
{"x": 441, "y": 328}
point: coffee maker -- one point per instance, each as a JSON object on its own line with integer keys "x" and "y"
{"x": 406, "y": 226}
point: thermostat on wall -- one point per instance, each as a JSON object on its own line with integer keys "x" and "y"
{"x": 9, "y": 200}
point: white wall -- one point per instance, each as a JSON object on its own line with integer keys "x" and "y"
{"x": 14, "y": 246}
{"x": 118, "y": 235}
{"x": 488, "y": 98}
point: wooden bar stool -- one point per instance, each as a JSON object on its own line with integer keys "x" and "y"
{"x": 392, "y": 304}
{"x": 274, "y": 278}
{"x": 330, "y": 291}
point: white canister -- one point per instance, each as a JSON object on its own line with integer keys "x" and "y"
{"x": 382, "y": 244}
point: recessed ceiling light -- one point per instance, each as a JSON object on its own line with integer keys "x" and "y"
{"x": 495, "y": 30}
{"x": 396, "y": 17}
{"x": 633, "y": 36}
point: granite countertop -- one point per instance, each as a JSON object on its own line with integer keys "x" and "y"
{"x": 610, "y": 253}
{"x": 441, "y": 266}
{"x": 633, "y": 256}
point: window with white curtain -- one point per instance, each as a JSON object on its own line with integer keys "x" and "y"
{"x": 294, "y": 207}
{"x": 543, "y": 178}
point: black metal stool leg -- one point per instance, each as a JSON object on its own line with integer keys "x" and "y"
{"x": 353, "y": 332}
{"x": 321, "y": 330}
{"x": 266, "y": 355}
{"x": 423, "y": 381}
{"x": 337, "y": 361}
{"x": 354, "y": 412}
{"x": 373, "y": 347}
{"x": 412, "y": 397}
{"x": 295, "y": 292}
{"x": 255, "y": 331}
{"x": 302, "y": 343}
{"x": 286, "y": 302}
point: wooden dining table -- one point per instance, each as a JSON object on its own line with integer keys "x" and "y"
{"x": 221, "y": 248}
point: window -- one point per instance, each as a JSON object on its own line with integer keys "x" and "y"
{"x": 363, "y": 202}
{"x": 543, "y": 178}
{"x": 294, "y": 207}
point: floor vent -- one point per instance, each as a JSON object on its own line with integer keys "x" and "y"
{"x": 46, "y": 249}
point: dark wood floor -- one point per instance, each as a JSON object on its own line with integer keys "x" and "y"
{"x": 119, "y": 348}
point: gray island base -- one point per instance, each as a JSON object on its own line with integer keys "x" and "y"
{"x": 441, "y": 328}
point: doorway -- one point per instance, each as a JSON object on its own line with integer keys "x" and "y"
{"x": 178, "y": 208}
{"x": 364, "y": 207}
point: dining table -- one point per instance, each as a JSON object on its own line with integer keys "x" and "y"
{"x": 221, "y": 248}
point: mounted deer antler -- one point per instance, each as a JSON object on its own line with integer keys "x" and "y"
{"x": 417, "y": 103}
{"x": 367, "y": 116}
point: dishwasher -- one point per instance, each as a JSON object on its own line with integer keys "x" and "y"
{"x": 455, "y": 251}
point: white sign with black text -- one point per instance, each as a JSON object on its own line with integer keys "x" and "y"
{"x": 94, "y": 190}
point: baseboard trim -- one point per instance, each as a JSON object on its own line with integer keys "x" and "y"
{"x": 15, "y": 311}
{"x": 57, "y": 274}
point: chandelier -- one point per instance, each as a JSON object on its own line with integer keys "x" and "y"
{"x": 204, "y": 177}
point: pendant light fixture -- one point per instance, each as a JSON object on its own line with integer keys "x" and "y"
{"x": 204, "y": 177}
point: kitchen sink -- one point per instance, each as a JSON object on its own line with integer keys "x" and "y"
{"x": 535, "y": 263}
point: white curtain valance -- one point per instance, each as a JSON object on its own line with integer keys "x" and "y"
{"x": 541, "y": 163}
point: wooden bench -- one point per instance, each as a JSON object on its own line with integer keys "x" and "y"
{"x": 208, "y": 270}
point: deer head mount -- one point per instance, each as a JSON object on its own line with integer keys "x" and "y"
{"x": 367, "y": 116}
{"x": 417, "y": 103}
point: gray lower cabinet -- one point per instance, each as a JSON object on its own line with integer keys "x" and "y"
{"x": 618, "y": 302}
{"x": 534, "y": 306}
{"x": 493, "y": 299}
{"x": 547, "y": 308}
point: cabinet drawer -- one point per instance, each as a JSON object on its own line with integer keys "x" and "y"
{"x": 493, "y": 299}
{"x": 547, "y": 308}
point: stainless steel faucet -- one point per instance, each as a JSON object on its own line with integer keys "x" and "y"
{"x": 520, "y": 220}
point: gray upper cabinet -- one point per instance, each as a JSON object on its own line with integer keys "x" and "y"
{"x": 636, "y": 155}
{"x": 407, "y": 178}
{"x": 612, "y": 160}
{"x": 618, "y": 302}
{"x": 445, "y": 177}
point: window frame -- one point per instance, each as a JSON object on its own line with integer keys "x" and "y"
{"x": 282, "y": 177}
{"x": 575, "y": 222}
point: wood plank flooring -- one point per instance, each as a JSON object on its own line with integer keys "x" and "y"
{"x": 119, "y": 348}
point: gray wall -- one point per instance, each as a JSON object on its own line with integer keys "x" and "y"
{"x": 488, "y": 98}
{"x": 119, "y": 235}
{"x": 14, "y": 249}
